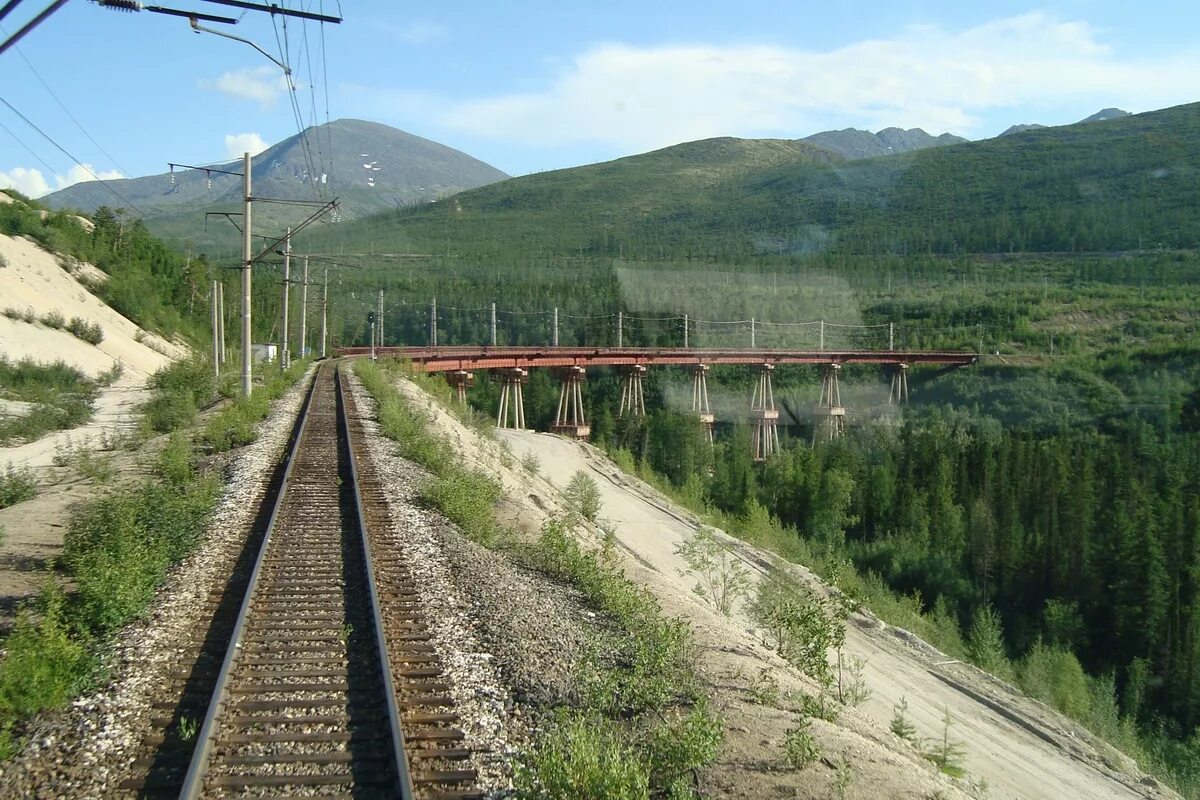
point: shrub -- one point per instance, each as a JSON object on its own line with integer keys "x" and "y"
{"x": 945, "y": 752}
{"x": 901, "y": 726}
{"x": 583, "y": 496}
{"x": 180, "y": 389}
{"x": 53, "y": 319}
{"x": 800, "y": 749}
{"x": 16, "y": 485}
{"x": 42, "y": 664}
{"x": 467, "y": 498}
{"x": 798, "y": 623}
{"x": 584, "y": 757}
{"x": 721, "y": 576}
{"x": 90, "y": 332}
{"x": 1055, "y": 676}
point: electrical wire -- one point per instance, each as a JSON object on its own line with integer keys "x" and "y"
{"x": 50, "y": 170}
{"x": 74, "y": 160}
{"x": 66, "y": 110}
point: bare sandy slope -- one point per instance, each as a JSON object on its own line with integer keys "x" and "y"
{"x": 33, "y": 279}
{"x": 1019, "y": 747}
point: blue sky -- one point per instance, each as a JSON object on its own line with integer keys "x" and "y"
{"x": 529, "y": 86}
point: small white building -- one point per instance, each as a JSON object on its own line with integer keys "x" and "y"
{"x": 264, "y": 353}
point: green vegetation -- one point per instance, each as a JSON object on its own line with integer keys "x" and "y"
{"x": 233, "y": 426}
{"x": 722, "y": 579}
{"x": 62, "y": 398}
{"x": 583, "y": 496}
{"x": 180, "y": 390}
{"x": 16, "y": 485}
{"x": 641, "y": 728}
{"x": 116, "y": 552}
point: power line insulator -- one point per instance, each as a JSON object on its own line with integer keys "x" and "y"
{"x": 128, "y": 6}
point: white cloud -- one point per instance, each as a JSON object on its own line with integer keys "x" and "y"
{"x": 263, "y": 85}
{"x": 641, "y": 97}
{"x": 33, "y": 183}
{"x": 28, "y": 182}
{"x": 236, "y": 144}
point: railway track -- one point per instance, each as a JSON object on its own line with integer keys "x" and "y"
{"x": 328, "y": 683}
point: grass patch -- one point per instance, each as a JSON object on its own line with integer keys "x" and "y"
{"x": 234, "y": 425}
{"x": 62, "y": 398}
{"x": 180, "y": 390}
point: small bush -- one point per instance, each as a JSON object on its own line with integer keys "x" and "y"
{"x": 584, "y": 757}
{"x": 96, "y": 467}
{"x": 800, "y": 749}
{"x": 16, "y": 485}
{"x": 90, "y": 332}
{"x": 945, "y": 752}
{"x": 722, "y": 579}
{"x": 583, "y": 496}
{"x": 467, "y": 498}
{"x": 53, "y": 319}
{"x": 42, "y": 665}
{"x": 799, "y": 625}
{"x": 900, "y": 725}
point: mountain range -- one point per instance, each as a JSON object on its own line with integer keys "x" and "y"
{"x": 373, "y": 168}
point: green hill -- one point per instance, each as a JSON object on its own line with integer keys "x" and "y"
{"x": 1125, "y": 185}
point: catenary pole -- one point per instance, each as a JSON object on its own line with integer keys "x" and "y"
{"x": 246, "y": 263}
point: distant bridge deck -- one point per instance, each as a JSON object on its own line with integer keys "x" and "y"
{"x": 475, "y": 357}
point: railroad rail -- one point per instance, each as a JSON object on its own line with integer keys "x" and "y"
{"x": 456, "y": 358}
{"x": 329, "y": 685}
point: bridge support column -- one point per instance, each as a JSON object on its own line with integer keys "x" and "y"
{"x": 831, "y": 415}
{"x": 700, "y": 405}
{"x": 633, "y": 398}
{"x": 460, "y": 380}
{"x": 570, "y": 420}
{"x": 764, "y": 416}
{"x": 898, "y": 395}
{"x": 512, "y": 404}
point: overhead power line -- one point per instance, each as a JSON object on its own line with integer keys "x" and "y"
{"x": 66, "y": 110}
{"x": 74, "y": 160}
{"x": 29, "y": 26}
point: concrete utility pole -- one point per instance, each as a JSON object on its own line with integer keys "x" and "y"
{"x": 685, "y": 331}
{"x": 752, "y": 333}
{"x": 891, "y": 336}
{"x": 493, "y": 324}
{"x": 620, "y": 329}
{"x": 284, "y": 355}
{"x": 213, "y": 314}
{"x": 822, "y": 347}
{"x": 555, "y": 339}
{"x": 433, "y": 323}
{"x": 221, "y": 320}
{"x": 304, "y": 312}
{"x": 325, "y": 313}
{"x": 379, "y": 316}
{"x": 247, "y": 384}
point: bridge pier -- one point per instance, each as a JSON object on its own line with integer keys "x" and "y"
{"x": 460, "y": 380}
{"x": 633, "y": 398}
{"x": 898, "y": 394}
{"x": 764, "y": 416}
{"x": 830, "y": 405}
{"x": 700, "y": 405}
{"x": 570, "y": 420}
{"x": 512, "y": 404}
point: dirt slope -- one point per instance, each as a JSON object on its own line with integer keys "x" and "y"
{"x": 1018, "y": 746}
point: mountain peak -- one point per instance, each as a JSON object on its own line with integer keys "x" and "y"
{"x": 853, "y": 144}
